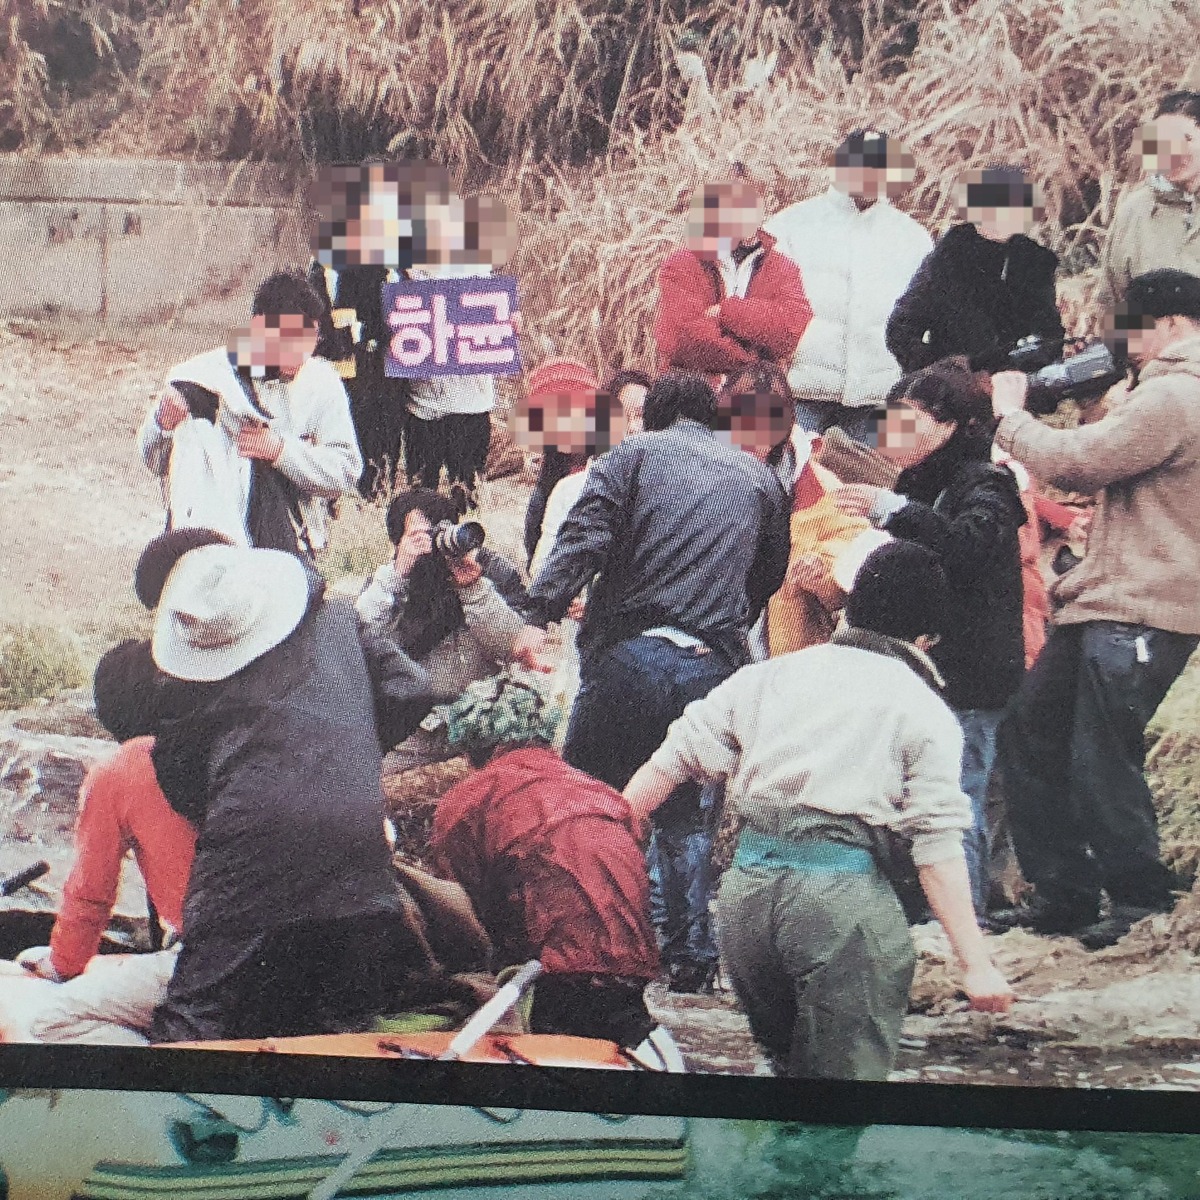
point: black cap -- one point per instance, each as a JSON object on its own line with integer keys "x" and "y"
{"x": 900, "y": 591}
{"x": 160, "y": 556}
{"x": 1163, "y": 293}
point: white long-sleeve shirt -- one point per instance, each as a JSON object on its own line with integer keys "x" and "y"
{"x": 833, "y": 728}
{"x": 311, "y": 414}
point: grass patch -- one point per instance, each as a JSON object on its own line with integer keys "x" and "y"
{"x": 37, "y": 661}
{"x": 1173, "y": 769}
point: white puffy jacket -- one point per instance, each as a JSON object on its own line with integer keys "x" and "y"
{"x": 855, "y": 266}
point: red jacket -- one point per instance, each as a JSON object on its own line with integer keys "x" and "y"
{"x": 551, "y": 862}
{"x": 121, "y": 808}
{"x": 767, "y": 323}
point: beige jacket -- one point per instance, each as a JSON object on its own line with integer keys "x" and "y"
{"x": 1154, "y": 226}
{"x": 1142, "y": 564}
{"x": 833, "y": 729}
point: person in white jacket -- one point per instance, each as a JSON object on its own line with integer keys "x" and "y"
{"x": 856, "y": 253}
{"x": 253, "y": 439}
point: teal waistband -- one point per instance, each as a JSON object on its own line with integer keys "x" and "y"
{"x": 818, "y": 855}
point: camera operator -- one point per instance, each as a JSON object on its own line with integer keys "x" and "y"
{"x": 1072, "y": 749}
{"x": 450, "y": 613}
{"x": 985, "y": 286}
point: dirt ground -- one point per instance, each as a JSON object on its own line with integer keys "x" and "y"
{"x": 76, "y": 506}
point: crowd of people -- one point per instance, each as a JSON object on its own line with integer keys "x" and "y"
{"x": 800, "y": 584}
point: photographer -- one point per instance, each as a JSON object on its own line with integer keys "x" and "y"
{"x": 452, "y": 615}
{"x": 985, "y": 285}
{"x": 1072, "y": 749}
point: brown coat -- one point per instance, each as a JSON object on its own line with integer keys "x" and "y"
{"x": 1142, "y": 563}
{"x": 1149, "y": 230}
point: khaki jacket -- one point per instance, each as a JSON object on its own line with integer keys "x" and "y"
{"x": 1154, "y": 226}
{"x": 1142, "y": 563}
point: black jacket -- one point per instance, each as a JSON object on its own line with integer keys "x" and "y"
{"x": 975, "y": 297}
{"x": 682, "y": 530}
{"x": 968, "y": 514}
{"x": 285, "y": 756}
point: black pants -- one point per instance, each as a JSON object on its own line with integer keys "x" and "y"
{"x": 378, "y": 408}
{"x": 1072, "y": 751}
{"x": 595, "y": 1006}
{"x": 458, "y": 442}
{"x": 307, "y": 978}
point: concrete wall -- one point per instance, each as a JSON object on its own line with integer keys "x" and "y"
{"x": 127, "y": 242}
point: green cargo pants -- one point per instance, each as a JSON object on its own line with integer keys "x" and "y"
{"x": 822, "y": 963}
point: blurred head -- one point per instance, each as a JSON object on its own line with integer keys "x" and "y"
{"x": 723, "y": 215}
{"x": 626, "y": 393}
{"x": 680, "y": 394}
{"x": 490, "y": 232}
{"x": 927, "y": 408}
{"x": 559, "y": 408}
{"x": 869, "y": 165}
{"x": 1170, "y": 144}
{"x": 335, "y": 200}
{"x": 756, "y": 410}
{"x": 999, "y": 201}
{"x": 283, "y": 329}
{"x": 1160, "y": 308}
{"x": 900, "y": 591}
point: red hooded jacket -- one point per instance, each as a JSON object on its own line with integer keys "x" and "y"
{"x": 767, "y": 323}
{"x": 551, "y": 862}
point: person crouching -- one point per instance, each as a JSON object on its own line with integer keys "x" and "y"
{"x": 550, "y": 859}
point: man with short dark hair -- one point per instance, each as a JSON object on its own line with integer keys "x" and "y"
{"x": 1073, "y": 747}
{"x": 687, "y": 539}
{"x": 255, "y": 437}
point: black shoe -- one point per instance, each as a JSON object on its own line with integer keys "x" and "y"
{"x": 1043, "y": 916}
{"x": 692, "y": 978}
{"x": 1102, "y": 934}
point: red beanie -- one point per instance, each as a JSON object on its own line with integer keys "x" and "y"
{"x": 559, "y": 374}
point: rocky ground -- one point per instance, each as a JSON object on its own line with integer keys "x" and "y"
{"x": 75, "y": 507}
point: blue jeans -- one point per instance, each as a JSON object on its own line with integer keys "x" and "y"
{"x": 816, "y": 416}
{"x": 979, "y": 727}
{"x": 628, "y": 697}
{"x": 680, "y": 868}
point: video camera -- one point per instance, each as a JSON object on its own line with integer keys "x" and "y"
{"x": 457, "y": 541}
{"x": 1086, "y": 375}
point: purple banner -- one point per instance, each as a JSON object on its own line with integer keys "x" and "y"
{"x": 452, "y": 327}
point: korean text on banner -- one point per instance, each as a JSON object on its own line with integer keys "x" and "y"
{"x": 460, "y": 326}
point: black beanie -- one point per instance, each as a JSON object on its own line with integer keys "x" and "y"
{"x": 160, "y": 556}
{"x": 900, "y": 591}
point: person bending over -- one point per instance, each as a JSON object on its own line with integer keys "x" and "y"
{"x": 824, "y": 753}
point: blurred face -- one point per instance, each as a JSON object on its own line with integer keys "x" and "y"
{"x": 999, "y": 224}
{"x": 908, "y": 435}
{"x": 1170, "y": 145}
{"x": 279, "y": 344}
{"x": 563, "y": 421}
{"x": 866, "y": 184}
{"x": 632, "y": 399}
{"x": 1150, "y": 337}
{"x": 723, "y": 215}
{"x": 377, "y": 230}
{"x": 445, "y": 229}
{"x": 757, "y": 423}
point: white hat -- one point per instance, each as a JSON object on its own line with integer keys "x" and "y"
{"x": 224, "y": 606}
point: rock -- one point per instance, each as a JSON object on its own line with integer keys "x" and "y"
{"x": 70, "y": 713}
